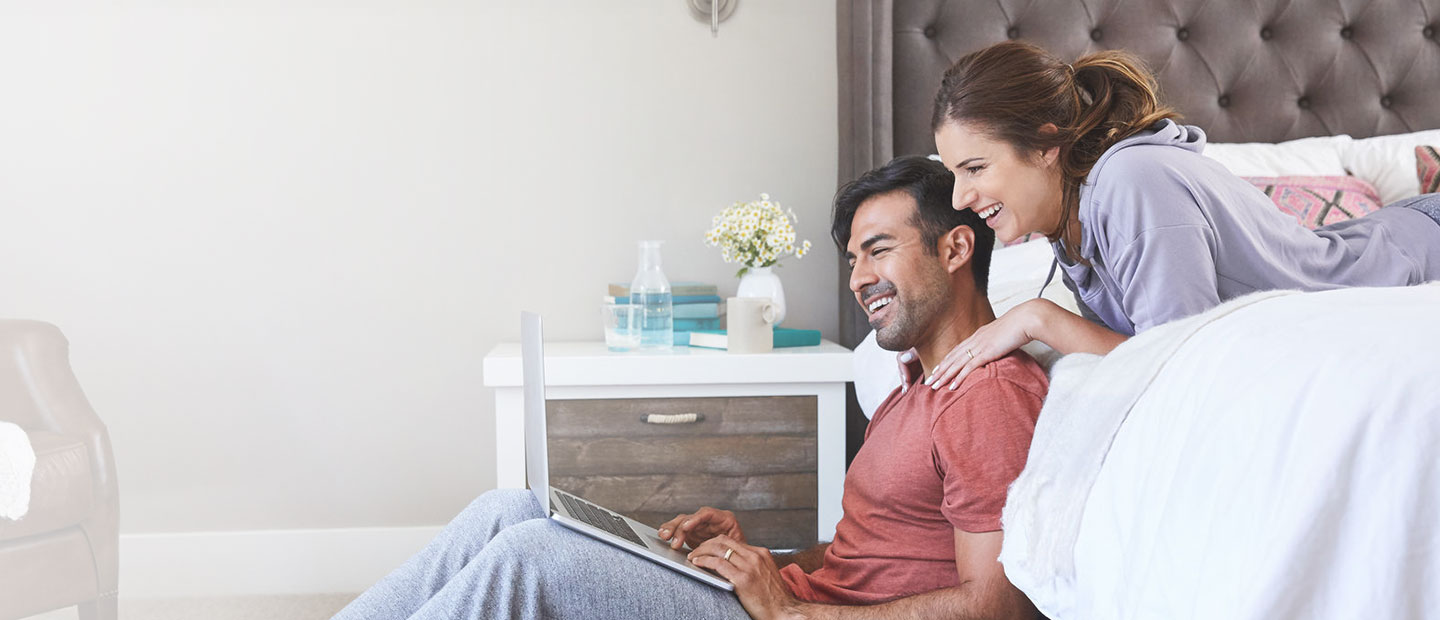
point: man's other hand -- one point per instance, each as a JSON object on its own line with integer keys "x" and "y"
{"x": 701, "y": 526}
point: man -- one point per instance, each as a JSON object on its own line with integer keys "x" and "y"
{"x": 920, "y": 535}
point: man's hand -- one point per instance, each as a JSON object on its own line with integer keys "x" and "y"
{"x": 704, "y": 525}
{"x": 757, "y": 580}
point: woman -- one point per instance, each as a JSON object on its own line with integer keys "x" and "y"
{"x": 1145, "y": 228}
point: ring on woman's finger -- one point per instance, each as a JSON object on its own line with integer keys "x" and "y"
{"x": 971, "y": 352}
{"x": 728, "y": 552}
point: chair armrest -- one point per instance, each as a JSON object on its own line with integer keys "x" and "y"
{"x": 39, "y": 391}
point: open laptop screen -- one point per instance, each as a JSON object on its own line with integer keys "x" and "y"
{"x": 532, "y": 357}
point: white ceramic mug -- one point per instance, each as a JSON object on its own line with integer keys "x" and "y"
{"x": 751, "y": 324}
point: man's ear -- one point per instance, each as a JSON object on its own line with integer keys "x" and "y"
{"x": 957, "y": 248}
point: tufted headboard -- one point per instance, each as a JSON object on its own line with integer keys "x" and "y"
{"x": 1244, "y": 70}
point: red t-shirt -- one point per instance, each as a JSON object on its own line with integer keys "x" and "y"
{"x": 933, "y": 461}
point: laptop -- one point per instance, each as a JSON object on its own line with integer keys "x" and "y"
{"x": 574, "y": 512}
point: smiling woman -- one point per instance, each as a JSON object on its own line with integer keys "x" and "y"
{"x": 1072, "y": 115}
{"x": 1145, "y": 228}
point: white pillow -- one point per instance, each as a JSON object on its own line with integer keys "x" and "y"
{"x": 1316, "y": 157}
{"x": 877, "y": 374}
{"x": 1388, "y": 162}
{"x": 1016, "y": 274}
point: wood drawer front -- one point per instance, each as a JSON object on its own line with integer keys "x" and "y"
{"x": 755, "y": 456}
{"x": 676, "y": 494}
{"x": 794, "y": 415}
{"x": 735, "y": 455}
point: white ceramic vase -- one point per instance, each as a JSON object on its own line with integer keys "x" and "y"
{"x": 762, "y": 282}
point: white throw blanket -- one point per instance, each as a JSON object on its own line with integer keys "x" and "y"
{"x": 17, "y": 463}
{"x": 1272, "y": 458}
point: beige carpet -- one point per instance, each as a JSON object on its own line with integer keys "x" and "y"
{"x": 289, "y": 607}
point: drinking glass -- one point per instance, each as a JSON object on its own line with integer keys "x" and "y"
{"x": 622, "y": 325}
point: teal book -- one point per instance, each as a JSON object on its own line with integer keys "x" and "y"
{"x": 690, "y": 325}
{"x": 688, "y": 289}
{"x": 697, "y": 311}
{"x": 677, "y": 300}
{"x": 784, "y": 337}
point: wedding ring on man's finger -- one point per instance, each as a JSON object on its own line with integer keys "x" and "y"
{"x": 728, "y": 552}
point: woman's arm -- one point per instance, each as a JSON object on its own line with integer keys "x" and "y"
{"x": 1066, "y": 331}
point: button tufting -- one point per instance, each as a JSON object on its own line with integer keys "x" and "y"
{"x": 1304, "y": 103}
{"x": 1013, "y": 32}
{"x": 1224, "y": 101}
{"x": 1428, "y": 32}
{"x": 1266, "y": 33}
{"x": 1386, "y": 101}
{"x": 929, "y": 32}
{"x": 1095, "y": 34}
{"x": 1183, "y": 34}
{"x": 1346, "y": 32}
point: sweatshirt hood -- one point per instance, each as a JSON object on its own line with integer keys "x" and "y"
{"x": 1163, "y": 133}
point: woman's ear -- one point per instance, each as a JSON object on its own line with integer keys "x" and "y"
{"x": 957, "y": 248}
{"x": 1051, "y": 155}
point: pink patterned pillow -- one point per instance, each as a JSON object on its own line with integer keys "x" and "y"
{"x": 1427, "y": 166}
{"x": 1319, "y": 201}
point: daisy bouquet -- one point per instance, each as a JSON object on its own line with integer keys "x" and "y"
{"x": 755, "y": 234}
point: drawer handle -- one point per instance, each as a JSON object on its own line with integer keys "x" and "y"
{"x": 673, "y": 418}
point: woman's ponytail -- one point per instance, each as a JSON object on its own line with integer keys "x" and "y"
{"x": 1119, "y": 98}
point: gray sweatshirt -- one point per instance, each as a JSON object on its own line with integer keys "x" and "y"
{"x": 1169, "y": 233}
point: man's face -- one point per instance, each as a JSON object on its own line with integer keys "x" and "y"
{"x": 901, "y": 284}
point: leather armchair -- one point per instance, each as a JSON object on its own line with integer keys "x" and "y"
{"x": 65, "y": 550}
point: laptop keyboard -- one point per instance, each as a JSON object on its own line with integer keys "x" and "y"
{"x": 599, "y": 517}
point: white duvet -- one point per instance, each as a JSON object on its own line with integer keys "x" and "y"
{"x": 1277, "y": 457}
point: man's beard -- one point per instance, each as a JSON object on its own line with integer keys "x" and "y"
{"x": 912, "y": 317}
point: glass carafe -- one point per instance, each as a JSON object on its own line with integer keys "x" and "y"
{"x": 651, "y": 291}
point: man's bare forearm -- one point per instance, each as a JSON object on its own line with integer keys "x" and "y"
{"x": 808, "y": 560}
{"x": 996, "y": 601}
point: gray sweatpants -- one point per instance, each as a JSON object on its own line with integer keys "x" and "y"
{"x": 501, "y": 559}
{"x": 1429, "y": 204}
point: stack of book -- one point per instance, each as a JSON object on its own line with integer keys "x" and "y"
{"x": 697, "y": 306}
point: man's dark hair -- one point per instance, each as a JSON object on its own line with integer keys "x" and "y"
{"x": 931, "y": 185}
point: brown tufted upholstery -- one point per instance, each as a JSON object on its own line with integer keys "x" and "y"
{"x": 1244, "y": 70}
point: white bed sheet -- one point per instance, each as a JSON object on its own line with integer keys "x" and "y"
{"x": 1282, "y": 462}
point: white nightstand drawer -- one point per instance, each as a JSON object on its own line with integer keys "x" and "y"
{"x": 767, "y": 438}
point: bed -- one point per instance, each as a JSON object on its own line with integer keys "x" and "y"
{"x": 1340, "y": 90}
{"x": 1264, "y": 71}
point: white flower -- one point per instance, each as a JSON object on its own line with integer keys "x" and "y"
{"x": 757, "y": 233}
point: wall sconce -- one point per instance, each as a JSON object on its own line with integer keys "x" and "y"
{"x": 713, "y": 11}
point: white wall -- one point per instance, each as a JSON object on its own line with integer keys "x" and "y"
{"x": 282, "y": 236}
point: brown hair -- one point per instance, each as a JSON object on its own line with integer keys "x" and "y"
{"x": 1011, "y": 89}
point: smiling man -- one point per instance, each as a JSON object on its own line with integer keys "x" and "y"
{"x": 921, "y": 531}
{"x": 920, "y": 534}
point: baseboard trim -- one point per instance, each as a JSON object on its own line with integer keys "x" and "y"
{"x": 263, "y": 561}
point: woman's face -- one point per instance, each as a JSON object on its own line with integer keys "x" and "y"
{"x": 1014, "y": 194}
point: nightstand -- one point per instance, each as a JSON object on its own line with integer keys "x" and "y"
{"x": 654, "y": 433}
